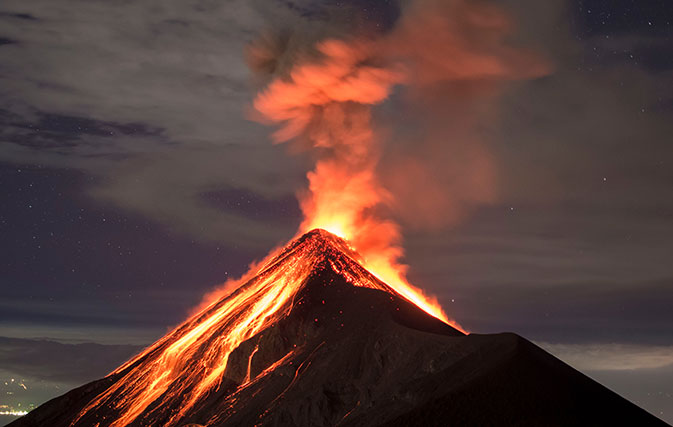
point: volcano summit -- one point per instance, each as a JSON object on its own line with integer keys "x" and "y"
{"x": 314, "y": 339}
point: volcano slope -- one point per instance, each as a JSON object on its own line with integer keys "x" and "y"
{"x": 315, "y": 340}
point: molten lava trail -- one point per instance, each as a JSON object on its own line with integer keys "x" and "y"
{"x": 188, "y": 363}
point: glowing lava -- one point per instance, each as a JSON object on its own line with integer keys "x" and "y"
{"x": 191, "y": 362}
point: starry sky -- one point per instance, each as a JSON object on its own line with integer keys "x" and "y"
{"x": 133, "y": 182}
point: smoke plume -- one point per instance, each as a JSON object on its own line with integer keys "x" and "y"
{"x": 444, "y": 61}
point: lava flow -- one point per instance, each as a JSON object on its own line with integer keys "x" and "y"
{"x": 190, "y": 362}
{"x": 315, "y": 339}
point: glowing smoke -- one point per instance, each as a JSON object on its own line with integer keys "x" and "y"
{"x": 321, "y": 96}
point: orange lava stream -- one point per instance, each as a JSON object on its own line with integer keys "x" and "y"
{"x": 166, "y": 370}
{"x": 191, "y": 361}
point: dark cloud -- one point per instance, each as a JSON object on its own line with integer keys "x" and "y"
{"x": 21, "y": 16}
{"x": 53, "y": 131}
{"x": 55, "y": 361}
{"x": 150, "y": 99}
{"x": 578, "y": 312}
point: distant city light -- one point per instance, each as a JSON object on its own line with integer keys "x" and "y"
{"x": 15, "y": 413}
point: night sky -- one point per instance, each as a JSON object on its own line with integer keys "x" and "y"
{"x": 133, "y": 182}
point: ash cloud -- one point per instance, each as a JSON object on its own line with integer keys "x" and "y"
{"x": 451, "y": 60}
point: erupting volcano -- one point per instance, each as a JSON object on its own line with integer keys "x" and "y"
{"x": 313, "y": 338}
{"x": 327, "y": 330}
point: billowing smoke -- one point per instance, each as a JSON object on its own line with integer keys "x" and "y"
{"x": 444, "y": 62}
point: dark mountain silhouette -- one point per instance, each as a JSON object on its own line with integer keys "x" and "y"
{"x": 339, "y": 348}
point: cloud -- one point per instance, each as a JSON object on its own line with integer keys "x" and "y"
{"x": 611, "y": 357}
{"x": 150, "y": 97}
{"x": 54, "y": 361}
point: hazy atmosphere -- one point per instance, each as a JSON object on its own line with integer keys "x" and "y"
{"x": 137, "y": 174}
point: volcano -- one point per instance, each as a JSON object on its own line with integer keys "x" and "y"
{"x": 314, "y": 339}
